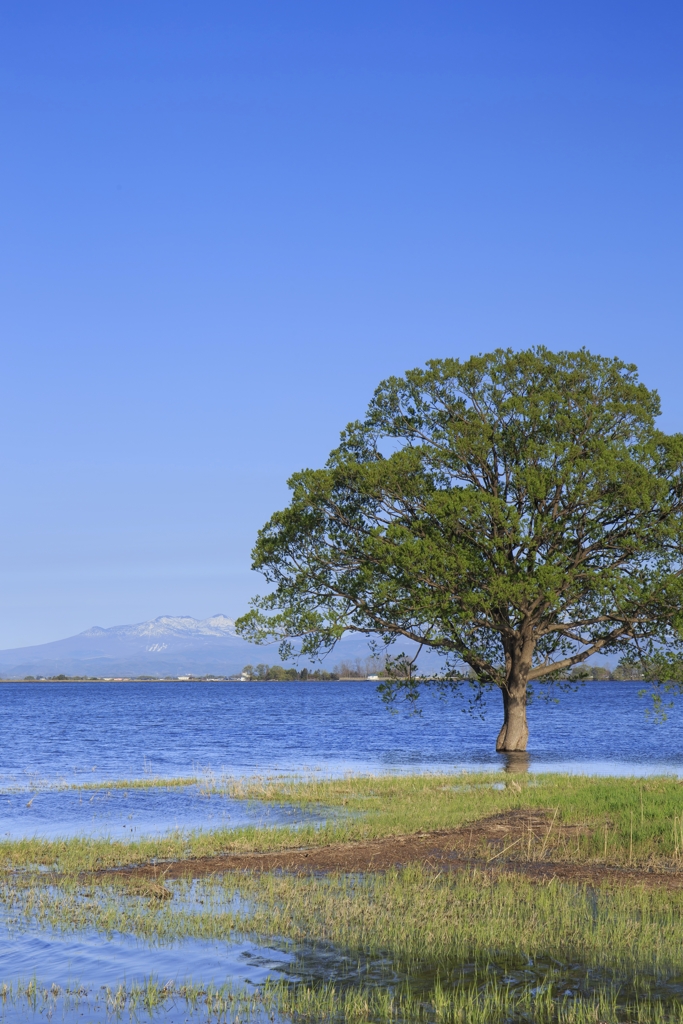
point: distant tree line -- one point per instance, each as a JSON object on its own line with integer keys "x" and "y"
{"x": 61, "y": 678}
{"x": 364, "y": 668}
{"x": 626, "y": 671}
{"x": 277, "y": 673}
{"x": 377, "y": 668}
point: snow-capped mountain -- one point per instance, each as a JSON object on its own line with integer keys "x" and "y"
{"x": 170, "y": 625}
{"x": 172, "y": 645}
{"x": 169, "y": 645}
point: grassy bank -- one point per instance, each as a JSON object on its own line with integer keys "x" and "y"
{"x": 623, "y": 821}
{"x": 628, "y": 820}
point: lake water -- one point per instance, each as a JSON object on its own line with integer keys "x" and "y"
{"x": 84, "y": 732}
{"x": 70, "y": 734}
{"x": 126, "y": 814}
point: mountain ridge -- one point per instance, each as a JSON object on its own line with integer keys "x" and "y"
{"x": 217, "y": 625}
{"x": 167, "y": 645}
{"x": 170, "y": 645}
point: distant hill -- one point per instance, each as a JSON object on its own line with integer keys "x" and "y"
{"x": 167, "y": 646}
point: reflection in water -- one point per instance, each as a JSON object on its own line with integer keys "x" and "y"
{"x": 516, "y": 761}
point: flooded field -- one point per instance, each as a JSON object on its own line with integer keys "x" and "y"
{"x": 95, "y": 779}
{"x": 68, "y": 965}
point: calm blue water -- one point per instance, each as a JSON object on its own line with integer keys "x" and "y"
{"x": 127, "y": 814}
{"x": 76, "y": 732}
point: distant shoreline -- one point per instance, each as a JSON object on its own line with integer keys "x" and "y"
{"x": 181, "y": 679}
{"x": 229, "y": 679}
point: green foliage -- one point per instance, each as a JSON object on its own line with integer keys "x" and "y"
{"x": 517, "y": 512}
{"x": 276, "y": 673}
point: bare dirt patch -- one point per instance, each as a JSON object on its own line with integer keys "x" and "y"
{"x": 515, "y": 842}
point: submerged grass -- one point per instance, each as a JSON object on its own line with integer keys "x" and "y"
{"x": 627, "y": 821}
{"x": 146, "y": 1000}
{"x": 406, "y": 945}
{"x": 156, "y": 782}
{"x": 411, "y": 916}
{"x": 485, "y": 1003}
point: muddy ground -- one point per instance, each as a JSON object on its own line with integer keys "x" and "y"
{"x": 515, "y": 842}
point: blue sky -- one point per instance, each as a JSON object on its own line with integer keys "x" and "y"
{"x": 222, "y": 223}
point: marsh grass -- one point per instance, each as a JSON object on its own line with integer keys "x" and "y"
{"x": 148, "y": 783}
{"x": 157, "y": 782}
{"x": 487, "y": 1003}
{"x": 436, "y": 948}
{"x": 411, "y": 916}
{"x": 146, "y": 1000}
{"x": 624, "y": 821}
{"x": 406, "y": 945}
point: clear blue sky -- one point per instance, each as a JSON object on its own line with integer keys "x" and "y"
{"x": 222, "y": 223}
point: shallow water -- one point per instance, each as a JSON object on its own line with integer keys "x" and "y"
{"x": 88, "y": 961}
{"x": 75, "y": 732}
{"x": 130, "y": 813}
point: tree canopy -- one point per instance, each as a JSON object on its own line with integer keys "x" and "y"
{"x": 517, "y": 512}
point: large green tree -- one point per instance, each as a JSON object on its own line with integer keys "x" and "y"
{"x": 517, "y": 512}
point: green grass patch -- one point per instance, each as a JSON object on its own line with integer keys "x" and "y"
{"x": 628, "y": 821}
{"x": 439, "y": 947}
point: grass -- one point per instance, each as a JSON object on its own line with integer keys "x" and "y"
{"x": 148, "y": 783}
{"x": 156, "y": 782}
{"x": 144, "y": 1000}
{"x": 487, "y": 1003}
{"x": 439, "y": 948}
{"x": 412, "y": 916}
{"x": 627, "y": 821}
{"x": 401, "y": 946}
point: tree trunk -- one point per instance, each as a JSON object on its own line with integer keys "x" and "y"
{"x": 515, "y": 732}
